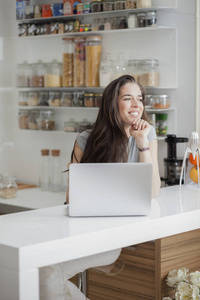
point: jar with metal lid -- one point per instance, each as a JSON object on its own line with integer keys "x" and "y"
{"x": 68, "y": 62}
{"x": 161, "y": 101}
{"x": 33, "y": 117}
{"x": 23, "y": 119}
{"x": 143, "y": 3}
{"x": 32, "y": 99}
{"x": 93, "y": 58}
{"x": 97, "y": 100}
{"x": 151, "y": 18}
{"x": 130, "y": 4}
{"x": 38, "y": 72}
{"x": 22, "y": 98}
{"x": 46, "y": 120}
{"x": 54, "y": 98}
{"x": 43, "y": 98}
{"x": 122, "y": 23}
{"x": 79, "y": 61}
{"x": 70, "y": 126}
{"x": 108, "y": 5}
{"x": 96, "y": 6}
{"x": 141, "y": 19}
{"x": 89, "y": 100}
{"x": 9, "y": 187}
{"x": 23, "y": 74}
{"x": 134, "y": 68}
{"x": 53, "y": 74}
{"x": 78, "y": 99}
{"x": 119, "y": 4}
{"x": 84, "y": 125}
{"x": 132, "y": 21}
{"x": 150, "y": 75}
{"x": 67, "y": 98}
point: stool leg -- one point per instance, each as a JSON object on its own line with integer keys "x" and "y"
{"x": 81, "y": 282}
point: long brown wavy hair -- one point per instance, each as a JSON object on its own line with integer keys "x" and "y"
{"x": 108, "y": 141}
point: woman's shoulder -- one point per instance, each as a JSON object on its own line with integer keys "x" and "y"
{"x": 82, "y": 139}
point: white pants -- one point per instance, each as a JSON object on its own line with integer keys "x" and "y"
{"x": 54, "y": 283}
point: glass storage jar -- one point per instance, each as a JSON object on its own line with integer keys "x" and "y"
{"x": 134, "y": 68}
{"x": 67, "y": 98}
{"x": 106, "y": 70}
{"x": 84, "y": 125}
{"x": 22, "y": 98}
{"x": 43, "y": 98}
{"x": 143, "y": 3}
{"x": 37, "y": 77}
{"x": 161, "y": 124}
{"x": 46, "y": 120}
{"x": 96, "y": 6}
{"x": 149, "y": 101}
{"x": 119, "y": 4}
{"x": 151, "y": 18}
{"x": 122, "y": 23}
{"x": 89, "y": 100}
{"x": 108, "y": 5}
{"x": 70, "y": 126}
{"x": 161, "y": 101}
{"x": 9, "y": 187}
{"x": 120, "y": 66}
{"x": 33, "y": 117}
{"x": 130, "y": 4}
{"x": 97, "y": 100}
{"x": 54, "y": 99}
{"x": 68, "y": 62}
{"x": 93, "y": 58}
{"x": 150, "y": 75}
{"x": 132, "y": 21}
{"x": 23, "y": 75}
{"x": 23, "y": 119}
{"x": 53, "y": 74}
{"x": 78, "y": 99}
{"x": 141, "y": 19}
{"x": 79, "y": 61}
{"x": 32, "y": 99}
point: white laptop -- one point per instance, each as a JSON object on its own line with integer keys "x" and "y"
{"x": 110, "y": 189}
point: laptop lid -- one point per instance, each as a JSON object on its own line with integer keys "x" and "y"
{"x": 110, "y": 189}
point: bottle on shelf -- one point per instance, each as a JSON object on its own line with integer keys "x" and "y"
{"x": 56, "y": 175}
{"x": 44, "y": 180}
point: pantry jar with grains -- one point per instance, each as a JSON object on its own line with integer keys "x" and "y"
{"x": 53, "y": 74}
{"x": 150, "y": 75}
{"x": 143, "y": 3}
{"x": 9, "y": 187}
{"x": 70, "y": 126}
{"x": 134, "y": 68}
{"x": 43, "y": 98}
{"x": 79, "y": 61}
{"x": 38, "y": 72}
{"x": 32, "y": 99}
{"x": 54, "y": 99}
{"x": 46, "y": 120}
{"x": 67, "y": 98}
{"x": 22, "y": 98}
{"x": 89, "y": 100}
{"x": 68, "y": 62}
{"x": 33, "y": 117}
{"x": 23, "y": 119}
{"x": 93, "y": 58}
{"x": 23, "y": 74}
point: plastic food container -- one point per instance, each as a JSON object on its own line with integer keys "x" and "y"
{"x": 161, "y": 101}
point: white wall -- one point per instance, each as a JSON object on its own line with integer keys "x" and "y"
{"x": 20, "y": 149}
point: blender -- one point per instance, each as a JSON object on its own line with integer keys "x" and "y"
{"x": 172, "y": 163}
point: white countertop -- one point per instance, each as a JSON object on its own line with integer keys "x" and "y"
{"x": 46, "y": 236}
{"x": 31, "y": 198}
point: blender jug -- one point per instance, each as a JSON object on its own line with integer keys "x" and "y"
{"x": 173, "y": 163}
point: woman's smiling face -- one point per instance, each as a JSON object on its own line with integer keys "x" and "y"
{"x": 130, "y": 103}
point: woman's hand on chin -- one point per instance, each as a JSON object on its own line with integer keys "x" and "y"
{"x": 140, "y": 130}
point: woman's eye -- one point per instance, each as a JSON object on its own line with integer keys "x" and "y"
{"x": 127, "y": 99}
{"x": 140, "y": 99}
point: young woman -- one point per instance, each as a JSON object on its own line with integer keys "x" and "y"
{"x": 121, "y": 132}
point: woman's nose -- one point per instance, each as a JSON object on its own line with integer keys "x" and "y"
{"x": 134, "y": 102}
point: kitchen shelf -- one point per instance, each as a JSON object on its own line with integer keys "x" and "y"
{"x": 37, "y": 107}
{"x": 99, "y": 32}
{"x": 155, "y": 110}
{"x": 62, "y": 89}
{"x": 94, "y": 14}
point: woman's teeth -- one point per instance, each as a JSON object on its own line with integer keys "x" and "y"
{"x": 134, "y": 114}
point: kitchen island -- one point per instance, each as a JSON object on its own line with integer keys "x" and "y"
{"x": 37, "y": 238}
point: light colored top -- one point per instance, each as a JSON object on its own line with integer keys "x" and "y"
{"x": 133, "y": 150}
{"x": 55, "y": 237}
